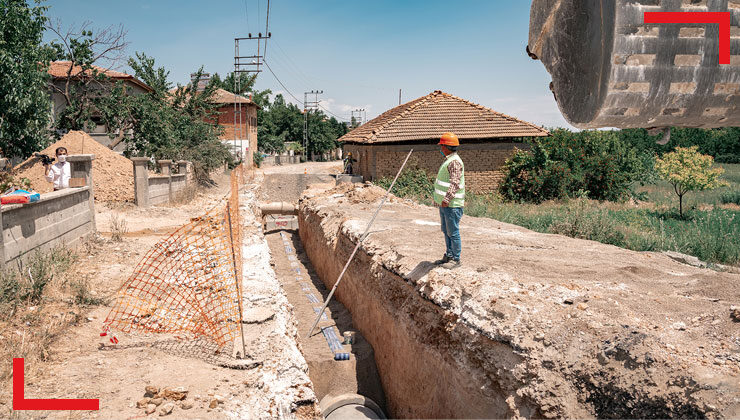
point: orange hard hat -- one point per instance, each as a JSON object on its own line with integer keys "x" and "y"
{"x": 449, "y": 139}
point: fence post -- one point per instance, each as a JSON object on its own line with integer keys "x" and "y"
{"x": 81, "y": 168}
{"x": 184, "y": 169}
{"x": 2, "y": 241}
{"x": 141, "y": 181}
{"x": 165, "y": 166}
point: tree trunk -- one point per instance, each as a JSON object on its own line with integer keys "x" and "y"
{"x": 680, "y": 206}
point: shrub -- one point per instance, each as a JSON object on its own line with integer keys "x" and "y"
{"x": 730, "y": 197}
{"x": 412, "y": 183}
{"x": 597, "y": 164}
{"x": 258, "y": 157}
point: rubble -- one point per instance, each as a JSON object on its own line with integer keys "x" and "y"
{"x": 498, "y": 337}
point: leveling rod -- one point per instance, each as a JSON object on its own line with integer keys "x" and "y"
{"x": 362, "y": 238}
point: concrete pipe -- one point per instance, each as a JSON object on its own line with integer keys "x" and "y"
{"x": 278, "y": 208}
{"x": 350, "y": 406}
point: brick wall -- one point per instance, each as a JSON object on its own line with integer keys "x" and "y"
{"x": 482, "y": 161}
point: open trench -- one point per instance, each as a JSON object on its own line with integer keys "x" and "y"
{"x": 344, "y": 375}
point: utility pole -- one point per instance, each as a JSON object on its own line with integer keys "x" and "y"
{"x": 307, "y": 107}
{"x": 359, "y": 112}
{"x": 246, "y": 64}
{"x": 399, "y": 96}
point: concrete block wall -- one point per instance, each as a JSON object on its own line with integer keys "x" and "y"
{"x": 483, "y": 161}
{"x": 160, "y": 189}
{"x": 59, "y": 217}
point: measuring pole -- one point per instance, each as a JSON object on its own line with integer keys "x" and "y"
{"x": 236, "y": 275}
{"x": 362, "y": 238}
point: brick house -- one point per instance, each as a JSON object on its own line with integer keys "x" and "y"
{"x": 240, "y": 134}
{"x": 59, "y": 72}
{"x": 244, "y": 140}
{"x": 487, "y": 139}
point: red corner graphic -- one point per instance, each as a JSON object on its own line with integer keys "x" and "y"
{"x": 21, "y": 403}
{"x": 721, "y": 18}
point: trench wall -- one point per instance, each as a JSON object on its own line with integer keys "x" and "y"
{"x": 412, "y": 337}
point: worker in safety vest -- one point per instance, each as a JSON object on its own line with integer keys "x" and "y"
{"x": 449, "y": 194}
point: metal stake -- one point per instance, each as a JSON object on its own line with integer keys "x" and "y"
{"x": 362, "y": 238}
{"x": 236, "y": 277}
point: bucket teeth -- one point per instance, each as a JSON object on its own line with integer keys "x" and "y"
{"x": 628, "y": 74}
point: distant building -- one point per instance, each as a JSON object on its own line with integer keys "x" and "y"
{"x": 240, "y": 134}
{"x": 487, "y": 139}
{"x": 59, "y": 71}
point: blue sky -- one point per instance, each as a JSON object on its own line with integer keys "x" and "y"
{"x": 359, "y": 53}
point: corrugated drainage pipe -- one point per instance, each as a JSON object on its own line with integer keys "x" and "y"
{"x": 350, "y": 406}
{"x": 278, "y": 208}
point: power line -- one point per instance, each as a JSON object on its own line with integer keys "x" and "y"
{"x": 281, "y": 84}
{"x": 246, "y": 10}
{"x": 333, "y": 114}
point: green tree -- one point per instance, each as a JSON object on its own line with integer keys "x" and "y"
{"x": 24, "y": 100}
{"x": 246, "y": 82}
{"x": 688, "y": 170}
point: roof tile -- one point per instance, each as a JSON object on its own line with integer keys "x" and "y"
{"x": 428, "y": 117}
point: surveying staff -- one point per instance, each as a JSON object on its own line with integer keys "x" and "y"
{"x": 449, "y": 194}
{"x": 60, "y": 172}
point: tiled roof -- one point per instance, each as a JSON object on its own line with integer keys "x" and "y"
{"x": 430, "y": 116}
{"x": 222, "y": 96}
{"x": 59, "y": 70}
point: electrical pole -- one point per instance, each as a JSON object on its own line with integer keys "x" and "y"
{"x": 307, "y": 107}
{"x": 246, "y": 64}
{"x": 359, "y": 112}
{"x": 399, "y": 96}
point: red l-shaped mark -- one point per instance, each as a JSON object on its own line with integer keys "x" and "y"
{"x": 21, "y": 403}
{"x": 721, "y": 18}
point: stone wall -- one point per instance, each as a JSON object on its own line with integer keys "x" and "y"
{"x": 59, "y": 217}
{"x": 160, "y": 189}
{"x": 482, "y": 161}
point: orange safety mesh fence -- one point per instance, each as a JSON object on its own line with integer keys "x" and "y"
{"x": 188, "y": 284}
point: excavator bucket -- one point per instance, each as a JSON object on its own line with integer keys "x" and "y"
{"x": 610, "y": 69}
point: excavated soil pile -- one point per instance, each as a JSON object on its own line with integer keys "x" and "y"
{"x": 532, "y": 325}
{"x": 113, "y": 177}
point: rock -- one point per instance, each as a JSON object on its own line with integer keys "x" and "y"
{"x": 175, "y": 394}
{"x": 219, "y": 398}
{"x": 582, "y": 306}
{"x": 186, "y": 405}
{"x": 151, "y": 391}
{"x": 157, "y": 401}
{"x": 150, "y": 408}
{"x": 258, "y": 315}
{"x": 735, "y": 313}
{"x": 213, "y": 404}
{"x": 166, "y": 409}
{"x": 540, "y": 336}
{"x": 142, "y": 403}
{"x": 679, "y": 326}
{"x": 568, "y": 301}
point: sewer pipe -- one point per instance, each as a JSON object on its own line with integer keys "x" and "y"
{"x": 278, "y": 208}
{"x": 350, "y": 406}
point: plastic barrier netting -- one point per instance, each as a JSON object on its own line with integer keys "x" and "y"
{"x": 188, "y": 285}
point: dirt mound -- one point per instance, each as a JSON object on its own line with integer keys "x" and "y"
{"x": 112, "y": 173}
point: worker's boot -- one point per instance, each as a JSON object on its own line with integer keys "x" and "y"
{"x": 451, "y": 264}
{"x": 443, "y": 260}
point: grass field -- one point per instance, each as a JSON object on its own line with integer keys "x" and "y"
{"x": 709, "y": 230}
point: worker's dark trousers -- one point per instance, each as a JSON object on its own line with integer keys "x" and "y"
{"x": 450, "y": 217}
